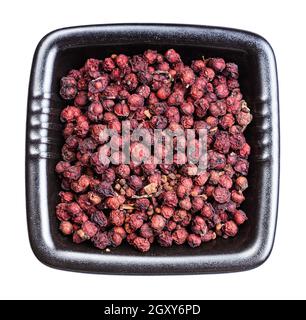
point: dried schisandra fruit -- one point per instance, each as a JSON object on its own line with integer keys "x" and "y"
{"x": 139, "y": 194}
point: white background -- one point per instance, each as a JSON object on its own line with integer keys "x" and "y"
{"x": 24, "y": 23}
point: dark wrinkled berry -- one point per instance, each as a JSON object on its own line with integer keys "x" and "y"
{"x": 165, "y": 239}
{"x": 194, "y": 240}
{"x": 99, "y": 219}
{"x": 180, "y": 236}
{"x": 101, "y": 240}
{"x": 230, "y": 228}
{"x": 142, "y": 244}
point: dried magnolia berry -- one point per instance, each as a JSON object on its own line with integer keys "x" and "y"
{"x": 218, "y": 64}
{"x": 180, "y": 236}
{"x": 241, "y": 183}
{"x": 185, "y": 204}
{"x": 89, "y": 228}
{"x": 207, "y": 210}
{"x": 242, "y": 166}
{"x": 120, "y": 231}
{"x": 99, "y": 219}
{"x": 135, "y": 101}
{"x": 237, "y": 197}
{"x": 121, "y": 110}
{"x": 198, "y": 65}
{"x": 170, "y": 199}
{"x": 117, "y": 217}
{"x": 172, "y": 56}
{"x": 230, "y": 228}
{"x": 165, "y": 239}
{"x": 135, "y": 221}
{"x": 221, "y": 195}
{"x": 142, "y": 244}
{"x": 187, "y": 76}
{"x": 150, "y": 56}
{"x": 112, "y": 203}
{"x": 101, "y": 240}
{"x": 181, "y": 191}
{"x": 194, "y": 240}
{"x": 245, "y": 150}
{"x": 66, "y": 227}
{"x": 66, "y": 196}
{"x": 167, "y": 212}
{"x": 187, "y": 108}
{"x": 127, "y": 196}
{"x": 115, "y": 239}
{"x": 225, "y": 181}
{"x": 240, "y": 217}
{"x": 201, "y": 179}
{"x": 158, "y": 222}
{"x": 244, "y": 117}
{"x": 68, "y": 88}
{"x": 135, "y": 182}
{"x": 146, "y": 232}
{"x": 199, "y": 226}
{"x": 123, "y": 171}
{"x": 197, "y": 204}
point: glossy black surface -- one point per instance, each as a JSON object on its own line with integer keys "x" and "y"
{"x": 68, "y": 48}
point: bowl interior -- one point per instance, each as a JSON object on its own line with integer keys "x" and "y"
{"x": 251, "y": 85}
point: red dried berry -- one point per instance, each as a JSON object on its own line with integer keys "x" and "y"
{"x": 144, "y": 91}
{"x": 89, "y": 228}
{"x": 122, "y": 61}
{"x": 115, "y": 239}
{"x": 112, "y": 203}
{"x": 194, "y": 240}
{"x": 187, "y": 108}
{"x": 241, "y": 183}
{"x": 150, "y": 56}
{"x": 237, "y": 196}
{"x": 199, "y": 225}
{"x": 135, "y": 182}
{"x": 101, "y": 240}
{"x": 172, "y": 56}
{"x": 240, "y": 217}
{"x": 207, "y": 210}
{"x": 180, "y": 236}
{"x": 221, "y": 195}
{"x": 245, "y": 150}
{"x": 231, "y": 70}
{"x": 225, "y": 181}
{"x": 218, "y": 64}
{"x": 99, "y": 219}
{"x": 135, "y": 101}
{"x": 230, "y": 228}
{"x": 158, "y": 222}
{"x": 167, "y": 212}
{"x": 170, "y": 199}
{"x": 141, "y": 244}
{"x": 135, "y": 221}
{"x": 187, "y": 76}
{"x": 242, "y": 166}
{"x": 165, "y": 239}
{"x": 66, "y": 227}
{"x": 198, "y": 65}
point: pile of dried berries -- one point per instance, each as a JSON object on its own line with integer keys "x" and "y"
{"x": 145, "y": 203}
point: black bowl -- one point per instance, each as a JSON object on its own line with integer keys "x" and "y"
{"x": 65, "y": 49}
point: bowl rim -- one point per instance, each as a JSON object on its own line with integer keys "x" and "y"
{"x": 247, "y": 259}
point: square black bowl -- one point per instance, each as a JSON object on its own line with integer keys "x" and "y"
{"x": 65, "y": 49}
